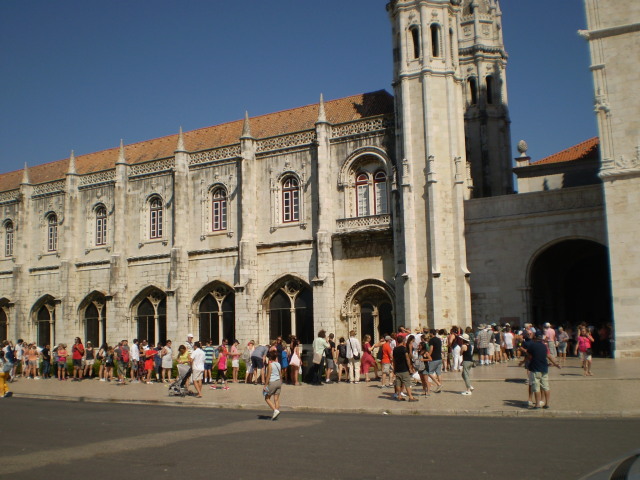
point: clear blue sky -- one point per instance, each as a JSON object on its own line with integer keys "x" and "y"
{"x": 81, "y": 75}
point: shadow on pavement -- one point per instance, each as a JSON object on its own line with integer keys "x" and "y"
{"x": 517, "y": 403}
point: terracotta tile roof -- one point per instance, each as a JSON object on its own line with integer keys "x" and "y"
{"x": 338, "y": 111}
{"x": 587, "y": 150}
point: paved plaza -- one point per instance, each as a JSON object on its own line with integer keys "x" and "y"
{"x": 500, "y": 390}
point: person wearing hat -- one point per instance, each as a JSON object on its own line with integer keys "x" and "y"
{"x": 550, "y": 339}
{"x": 467, "y": 362}
{"x": 189, "y": 343}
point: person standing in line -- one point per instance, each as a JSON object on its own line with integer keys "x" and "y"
{"x": 273, "y": 386}
{"x": 319, "y": 346}
{"x": 467, "y": 362}
{"x": 46, "y": 361}
{"x": 89, "y": 360}
{"x": 386, "y": 361}
{"x": 77, "y": 352}
{"x": 563, "y": 338}
{"x": 135, "y": 360}
{"x": 422, "y": 366}
{"x": 122, "y": 357}
{"x": 550, "y": 339}
{"x": 508, "y": 340}
{"x": 258, "y": 357}
{"x": 18, "y": 351}
{"x": 246, "y": 356}
{"x": 584, "y": 346}
{"x": 435, "y": 364}
{"x": 354, "y": 354}
{"x": 343, "y": 361}
{"x": 403, "y": 368}
{"x": 102, "y": 356}
{"x": 197, "y": 365}
{"x": 235, "y": 360}
{"x": 294, "y": 360}
{"x": 167, "y": 362}
{"x": 484, "y": 341}
{"x": 539, "y": 359}
{"x": 209, "y": 352}
{"x": 189, "y": 343}
{"x": 62, "y": 362}
{"x": 223, "y": 353}
{"x": 329, "y": 358}
{"x": 368, "y": 360}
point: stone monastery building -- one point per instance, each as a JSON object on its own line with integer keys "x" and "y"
{"x": 366, "y": 212}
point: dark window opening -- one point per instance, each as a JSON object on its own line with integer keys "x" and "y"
{"x": 473, "y": 90}
{"x": 415, "y": 37}
{"x": 435, "y": 40}
{"x": 489, "y": 80}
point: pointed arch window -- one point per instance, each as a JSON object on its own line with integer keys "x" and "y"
{"x": 362, "y": 194}
{"x": 156, "y": 218}
{"x": 52, "y": 232}
{"x": 219, "y": 209}
{"x": 473, "y": 90}
{"x": 489, "y": 82}
{"x": 8, "y": 239}
{"x": 101, "y": 225}
{"x": 380, "y": 193}
{"x": 290, "y": 200}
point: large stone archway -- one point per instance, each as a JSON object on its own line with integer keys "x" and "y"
{"x": 570, "y": 283}
{"x": 287, "y": 308}
{"x": 369, "y": 309}
{"x": 214, "y": 307}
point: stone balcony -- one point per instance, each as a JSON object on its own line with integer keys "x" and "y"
{"x": 369, "y": 223}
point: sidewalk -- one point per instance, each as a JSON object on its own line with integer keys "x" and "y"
{"x": 500, "y": 390}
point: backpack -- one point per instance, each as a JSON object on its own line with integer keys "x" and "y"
{"x": 9, "y": 356}
{"x": 125, "y": 355}
{"x": 342, "y": 351}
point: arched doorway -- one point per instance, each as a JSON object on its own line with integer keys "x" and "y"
{"x": 4, "y": 333}
{"x": 290, "y": 310}
{"x": 217, "y": 315}
{"x": 93, "y": 312}
{"x": 368, "y": 308}
{"x": 570, "y": 283}
{"x": 45, "y": 320}
{"x": 151, "y": 317}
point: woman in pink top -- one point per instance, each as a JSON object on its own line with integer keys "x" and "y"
{"x": 62, "y": 362}
{"x": 235, "y": 360}
{"x": 222, "y": 363}
{"x": 583, "y": 345}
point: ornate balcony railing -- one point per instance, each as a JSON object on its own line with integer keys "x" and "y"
{"x": 369, "y": 223}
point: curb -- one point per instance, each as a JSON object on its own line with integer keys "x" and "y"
{"x": 365, "y": 411}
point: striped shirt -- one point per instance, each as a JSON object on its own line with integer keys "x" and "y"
{"x": 208, "y": 354}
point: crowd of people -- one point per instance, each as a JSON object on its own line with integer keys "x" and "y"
{"x": 400, "y": 360}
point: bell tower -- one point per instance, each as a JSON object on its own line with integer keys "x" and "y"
{"x": 483, "y": 62}
{"x": 431, "y": 275}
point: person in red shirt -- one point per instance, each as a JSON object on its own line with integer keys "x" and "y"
{"x": 387, "y": 370}
{"x": 77, "y": 355}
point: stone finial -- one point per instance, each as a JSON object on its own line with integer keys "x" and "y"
{"x": 121, "y": 157}
{"x": 72, "y": 164}
{"x": 180, "y": 147}
{"x": 246, "y": 127}
{"x": 322, "y": 116}
{"x": 522, "y": 148}
{"x": 25, "y": 175}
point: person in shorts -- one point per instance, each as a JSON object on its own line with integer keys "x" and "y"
{"x": 257, "y": 362}
{"x": 274, "y": 384}
{"x": 209, "y": 352}
{"x": 435, "y": 364}
{"x": 539, "y": 359}
{"x": 197, "y": 366}
{"x": 77, "y": 354}
{"x": 403, "y": 368}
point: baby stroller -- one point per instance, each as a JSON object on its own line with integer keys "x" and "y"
{"x": 178, "y": 387}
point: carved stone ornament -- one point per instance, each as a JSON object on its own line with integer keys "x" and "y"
{"x": 522, "y": 148}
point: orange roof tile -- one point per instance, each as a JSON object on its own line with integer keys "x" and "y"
{"x": 587, "y": 150}
{"x": 338, "y": 111}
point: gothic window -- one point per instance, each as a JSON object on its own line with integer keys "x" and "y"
{"x": 52, "y": 232}
{"x": 44, "y": 324}
{"x": 101, "y": 225}
{"x": 8, "y": 239}
{"x": 151, "y": 319}
{"x": 217, "y": 316}
{"x": 3, "y": 325}
{"x": 362, "y": 194}
{"x": 473, "y": 90}
{"x": 489, "y": 81}
{"x": 219, "y": 209}
{"x": 290, "y": 200}
{"x": 380, "y": 191}
{"x": 415, "y": 38}
{"x": 435, "y": 40}
{"x": 156, "y": 218}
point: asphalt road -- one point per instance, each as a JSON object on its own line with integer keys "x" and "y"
{"x": 68, "y": 440}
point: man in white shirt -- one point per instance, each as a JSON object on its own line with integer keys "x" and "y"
{"x": 135, "y": 358}
{"x": 354, "y": 354}
{"x": 189, "y": 343}
{"x": 197, "y": 365}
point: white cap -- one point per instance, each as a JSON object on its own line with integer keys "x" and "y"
{"x": 190, "y": 335}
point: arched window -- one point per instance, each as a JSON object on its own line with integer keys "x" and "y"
{"x": 489, "y": 81}
{"x": 473, "y": 90}
{"x": 435, "y": 40}
{"x": 155, "y": 218}
{"x": 101, "y": 225}
{"x": 380, "y": 192}
{"x": 219, "y": 209}
{"x": 362, "y": 195}
{"x": 44, "y": 324}
{"x": 290, "y": 200}
{"x": 52, "y": 232}
{"x": 8, "y": 239}
{"x": 415, "y": 38}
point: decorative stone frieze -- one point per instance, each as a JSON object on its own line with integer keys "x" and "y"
{"x": 98, "y": 178}
{"x": 285, "y": 142}
{"x": 48, "y": 188}
{"x": 215, "y": 155}
{"x": 373, "y": 222}
{"x": 9, "y": 196}
{"x": 150, "y": 168}
{"x": 374, "y": 124}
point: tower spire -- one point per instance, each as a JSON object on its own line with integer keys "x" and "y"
{"x": 72, "y": 164}
{"x": 322, "y": 116}
{"x": 121, "y": 157}
{"x": 246, "y": 127}
{"x": 25, "y": 175}
{"x": 180, "y": 147}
